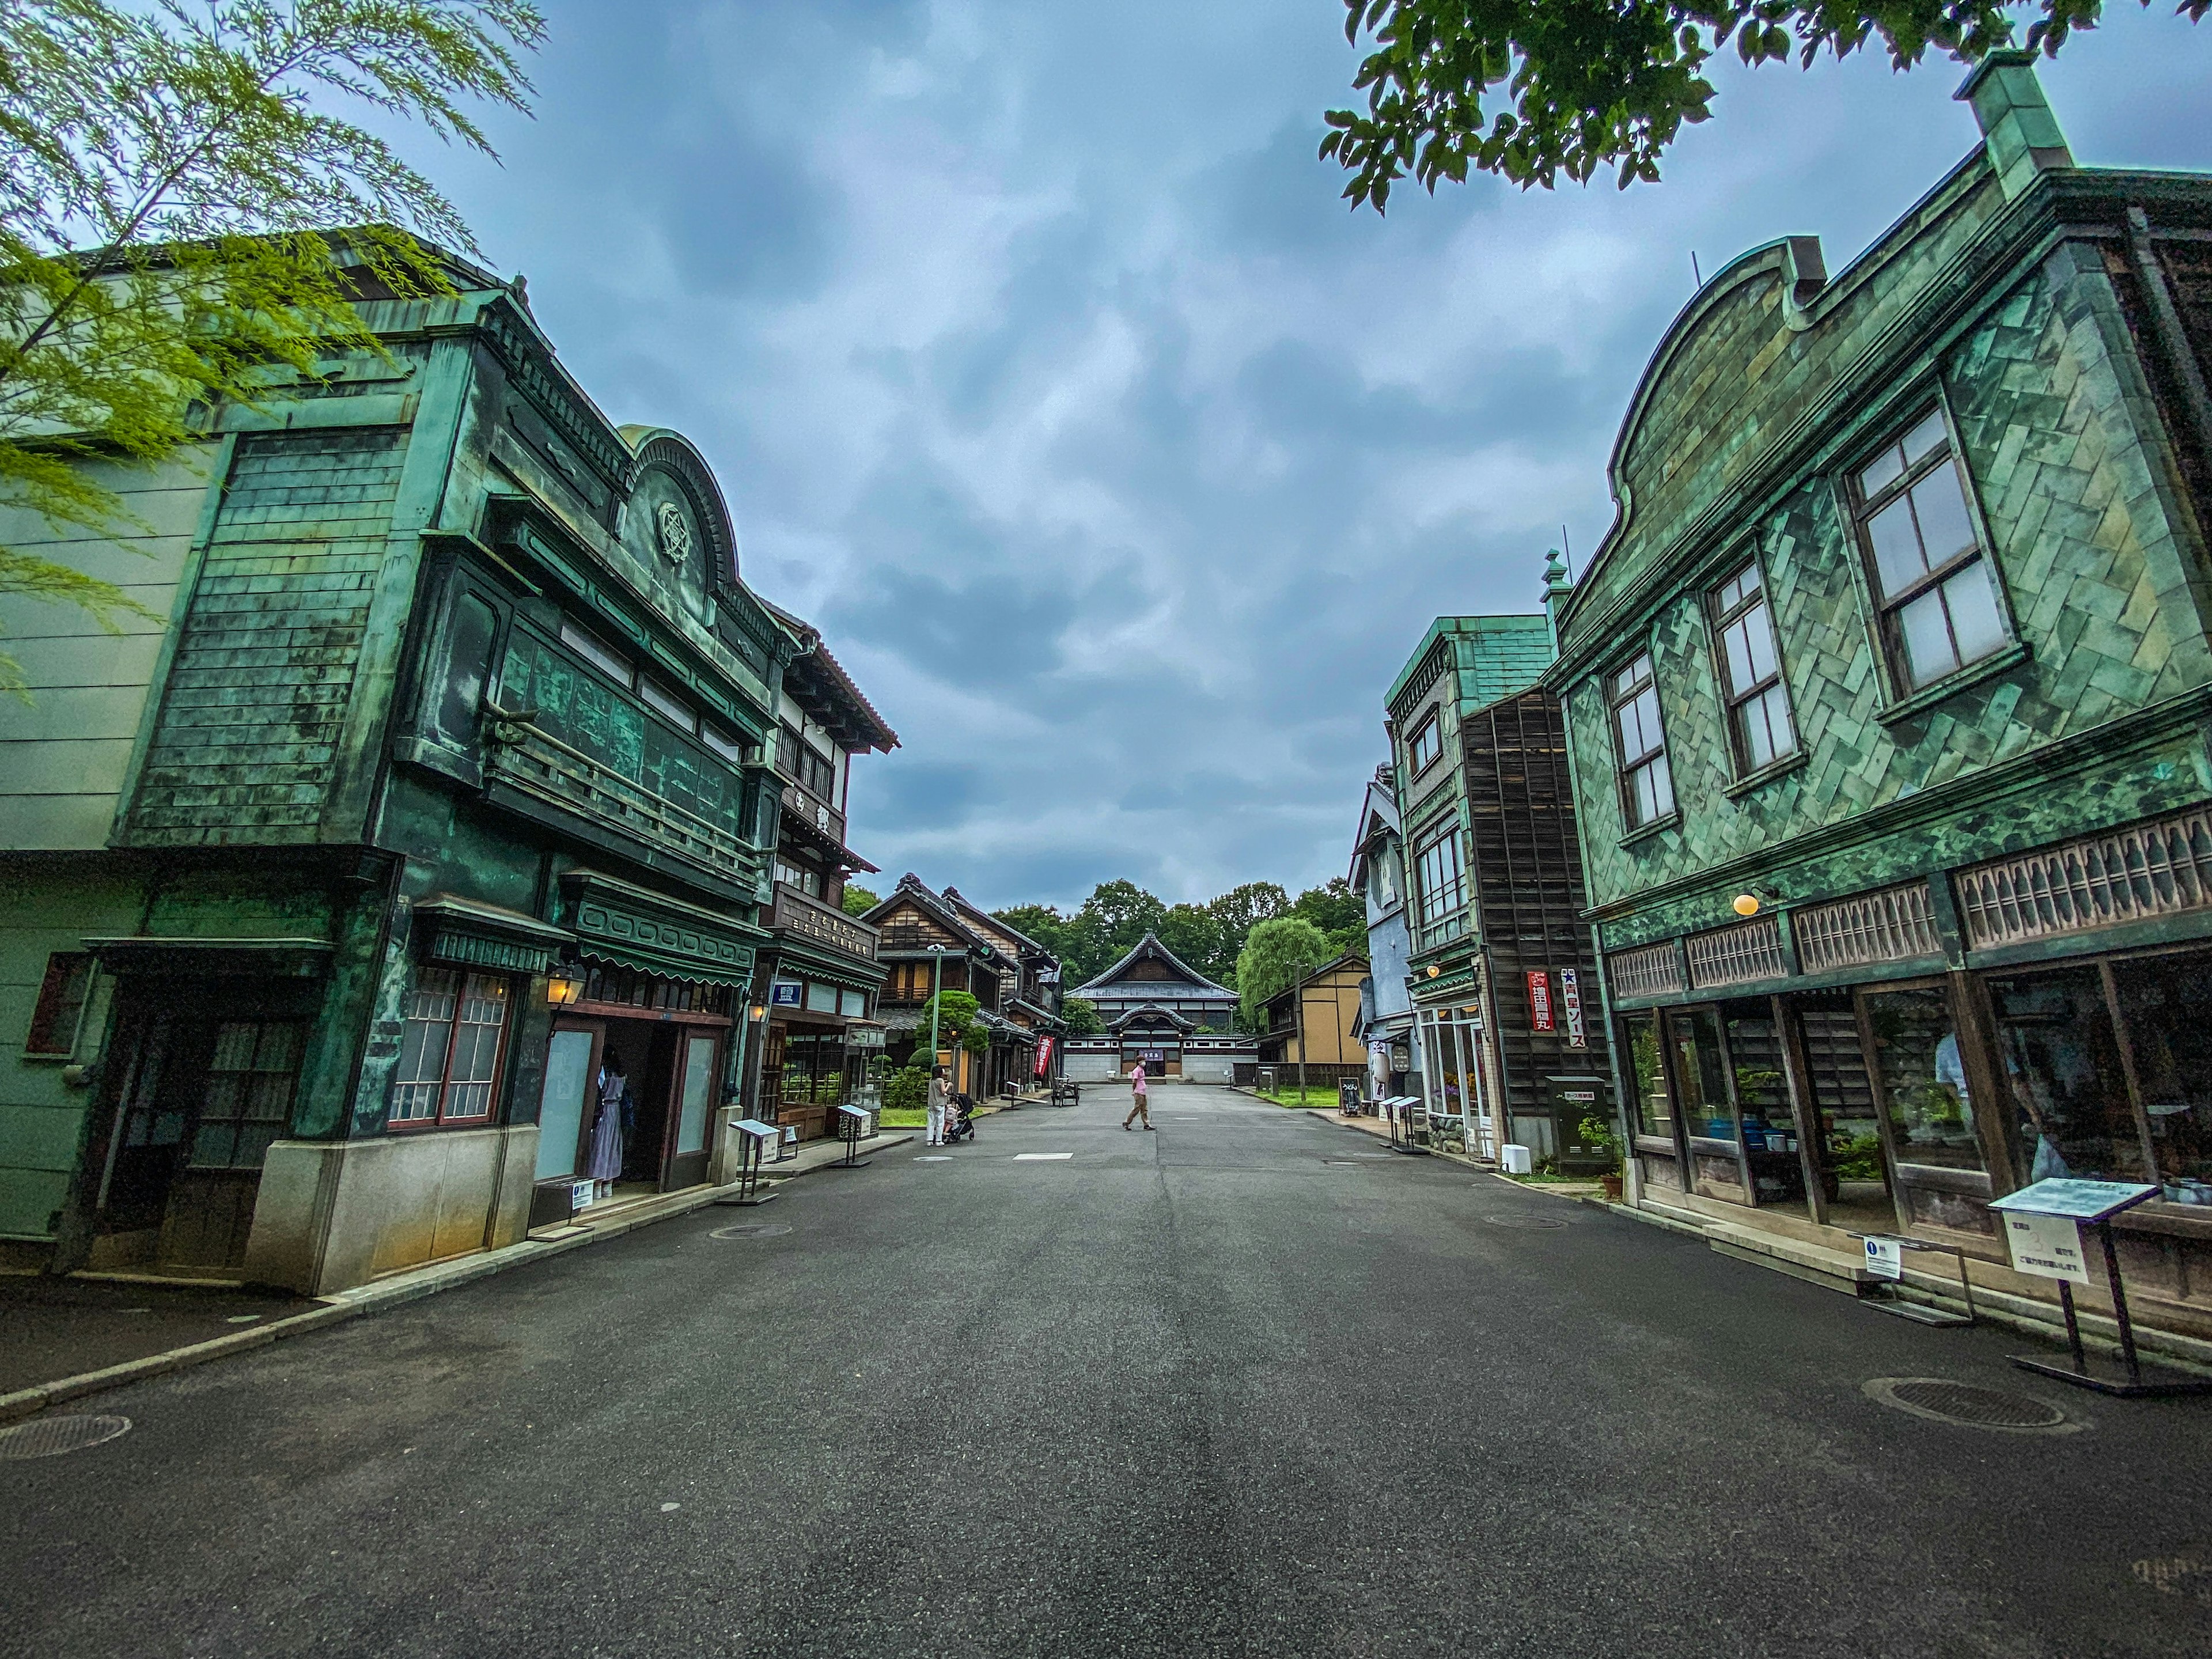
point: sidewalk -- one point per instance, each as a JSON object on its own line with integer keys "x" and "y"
{"x": 63, "y": 1338}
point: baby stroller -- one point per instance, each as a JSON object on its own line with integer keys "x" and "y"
{"x": 962, "y": 1125}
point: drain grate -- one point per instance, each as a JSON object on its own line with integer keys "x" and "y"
{"x": 1969, "y": 1404}
{"x": 50, "y": 1436}
{"x": 1524, "y": 1221}
{"x": 751, "y": 1229}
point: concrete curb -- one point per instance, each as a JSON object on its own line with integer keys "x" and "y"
{"x": 377, "y": 1298}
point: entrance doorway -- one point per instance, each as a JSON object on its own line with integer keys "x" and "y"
{"x": 1854, "y": 1190}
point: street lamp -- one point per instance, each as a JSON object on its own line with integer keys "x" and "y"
{"x": 936, "y": 986}
{"x": 564, "y": 989}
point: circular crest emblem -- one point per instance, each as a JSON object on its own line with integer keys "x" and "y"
{"x": 673, "y": 531}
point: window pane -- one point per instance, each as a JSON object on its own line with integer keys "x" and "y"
{"x": 1896, "y": 546}
{"x": 422, "y": 1046}
{"x": 1663, "y": 787}
{"x": 1974, "y": 620}
{"x": 1881, "y": 472}
{"x": 1773, "y": 708}
{"x": 1759, "y": 635}
{"x": 1735, "y": 651}
{"x": 1928, "y": 654}
{"x": 1655, "y": 1110}
{"x": 667, "y": 702}
{"x": 1758, "y": 736}
{"x": 729, "y": 748}
{"x": 1643, "y": 796}
{"x": 1945, "y": 530}
{"x": 1924, "y": 437}
{"x": 468, "y": 663}
{"x": 1700, "y": 1080}
{"x": 1924, "y": 1083}
{"x": 2055, "y": 1032}
{"x": 2167, "y": 1004}
{"x": 587, "y": 646}
{"x": 1762, "y": 1097}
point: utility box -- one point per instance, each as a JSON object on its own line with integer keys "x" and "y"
{"x": 1570, "y": 1100}
{"x": 1515, "y": 1159}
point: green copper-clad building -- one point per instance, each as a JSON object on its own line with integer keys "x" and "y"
{"x": 401, "y": 888}
{"x": 1889, "y": 695}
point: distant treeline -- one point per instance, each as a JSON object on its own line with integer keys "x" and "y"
{"x": 1206, "y": 936}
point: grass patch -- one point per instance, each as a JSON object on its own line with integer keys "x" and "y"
{"x": 1554, "y": 1180}
{"x": 1313, "y": 1095}
{"x": 904, "y": 1117}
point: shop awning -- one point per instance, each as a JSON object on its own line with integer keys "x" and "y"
{"x": 273, "y": 958}
{"x": 633, "y": 927}
{"x": 451, "y": 928}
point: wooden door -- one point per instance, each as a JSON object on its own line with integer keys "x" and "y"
{"x": 698, "y": 1070}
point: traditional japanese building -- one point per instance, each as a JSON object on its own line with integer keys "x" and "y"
{"x": 1501, "y": 964}
{"x": 1159, "y": 1009}
{"x": 930, "y": 944}
{"x": 1385, "y": 1025}
{"x": 817, "y": 977}
{"x": 400, "y": 888}
{"x": 1888, "y": 692}
{"x": 1309, "y": 1027}
{"x": 1026, "y": 1040}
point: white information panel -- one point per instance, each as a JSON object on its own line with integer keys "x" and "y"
{"x": 2046, "y": 1246}
{"x": 1885, "y": 1258}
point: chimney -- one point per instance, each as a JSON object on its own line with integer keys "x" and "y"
{"x": 2018, "y": 131}
{"x": 1556, "y": 590}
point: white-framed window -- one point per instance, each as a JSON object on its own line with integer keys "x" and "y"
{"x": 601, "y": 656}
{"x": 1427, "y": 743}
{"x": 1647, "y": 785}
{"x": 1759, "y": 728}
{"x": 664, "y": 702}
{"x": 1442, "y": 875}
{"x": 449, "y": 1050}
{"x": 1929, "y": 571}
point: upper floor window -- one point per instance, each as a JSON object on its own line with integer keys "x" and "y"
{"x": 60, "y": 1005}
{"x": 1442, "y": 877}
{"x": 800, "y": 761}
{"x": 605, "y": 658}
{"x": 807, "y": 881}
{"x": 449, "y": 1048}
{"x": 469, "y": 636}
{"x": 1751, "y": 671}
{"x": 1647, "y": 786}
{"x": 1939, "y": 604}
{"x": 1428, "y": 743}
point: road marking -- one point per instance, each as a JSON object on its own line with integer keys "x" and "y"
{"x": 1039, "y": 1158}
{"x": 933, "y": 1157}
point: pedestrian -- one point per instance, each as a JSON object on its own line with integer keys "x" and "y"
{"x": 607, "y": 1133}
{"x": 1137, "y": 1106}
{"x": 940, "y": 1102}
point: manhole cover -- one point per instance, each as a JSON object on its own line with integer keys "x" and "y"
{"x": 1968, "y": 1403}
{"x": 1524, "y": 1221}
{"x": 50, "y": 1436}
{"x": 751, "y": 1229}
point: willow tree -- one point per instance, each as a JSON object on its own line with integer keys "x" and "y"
{"x": 181, "y": 211}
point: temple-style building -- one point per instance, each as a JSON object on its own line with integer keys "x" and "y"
{"x": 1159, "y": 1009}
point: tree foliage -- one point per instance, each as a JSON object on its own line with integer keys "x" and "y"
{"x": 181, "y": 212}
{"x": 1041, "y": 922}
{"x": 958, "y": 1018}
{"x": 1276, "y": 953}
{"x": 1082, "y": 1016}
{"x": 858, "y": 900}
{"x": 1529, "y": 90}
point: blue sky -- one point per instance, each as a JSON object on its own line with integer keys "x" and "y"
{"x": 1120, "y": 462}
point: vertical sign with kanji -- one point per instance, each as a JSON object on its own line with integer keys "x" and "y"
{"x": 1539, "y": 1000}
{"x": 1571, "y": 1001}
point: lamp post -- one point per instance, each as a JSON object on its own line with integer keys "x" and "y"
{"x": 936, "y": 986}
{"x": 1298, "y": 1019}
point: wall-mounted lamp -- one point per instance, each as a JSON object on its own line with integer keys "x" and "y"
{"x": 1751, "y": 901}
{"x": 564, "y": 988}
{"x": 758, "y": 1010}
{"x": 1435, "y": 969}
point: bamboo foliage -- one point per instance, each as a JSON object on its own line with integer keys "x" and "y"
{"x": 182, "y": 212}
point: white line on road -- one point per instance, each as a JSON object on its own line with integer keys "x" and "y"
{"x": 1039, "y": 1158}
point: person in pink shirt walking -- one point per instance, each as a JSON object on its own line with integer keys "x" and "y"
{"x": 1137, "y": 1107}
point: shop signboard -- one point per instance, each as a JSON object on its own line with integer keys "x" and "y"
{"x": 1571, "y": 1004}
{"x": 1539, "y": 1000}
{"x": 786, "y": 993}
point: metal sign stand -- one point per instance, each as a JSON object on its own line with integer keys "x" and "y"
{"x": 854, "y": 1118}
{"x": 750, "y": 1156}
{"x": 1401, "y": 1129}
{"x": 1915, "y": 1312}
{"x": 2095, "y": 1202}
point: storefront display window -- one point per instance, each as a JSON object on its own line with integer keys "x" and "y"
{"x": 2166, "y": 1003}
{"x": 1654, "y": 1109}
{"x": 1924, "y": 1083}
{"x": 1700, "y": 1073}
{"x": 1762, "y": 1096}
{"x": 2062, "y": 1063}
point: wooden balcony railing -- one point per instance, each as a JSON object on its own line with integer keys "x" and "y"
{"x": 823, "y": 924}
{"x": 536, "y": 764}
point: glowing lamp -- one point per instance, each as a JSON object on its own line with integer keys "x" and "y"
{"x": 564, "y": 989}
{"x": 1747, "y": 904}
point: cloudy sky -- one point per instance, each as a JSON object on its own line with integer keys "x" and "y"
{"x": 1122, "y": 463}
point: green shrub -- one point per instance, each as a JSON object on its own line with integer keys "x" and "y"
{"x": 908, "y": 1090}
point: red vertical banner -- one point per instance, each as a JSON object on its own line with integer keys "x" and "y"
{"x": 1044, "y": 1055}
{"x": 1539, "y": 1000}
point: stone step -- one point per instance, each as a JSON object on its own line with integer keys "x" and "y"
{"x": 1833, "y": 1269}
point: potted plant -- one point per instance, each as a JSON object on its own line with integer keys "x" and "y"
{"x": 1602, "y": 1138}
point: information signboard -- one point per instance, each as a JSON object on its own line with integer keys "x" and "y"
{"x": 786, "y": 993}
{"x": 1885, "y": 1258}
{"x": 758, "y": 1130}
{"x": 2077, "y": 1201}
{"x": 2046, "y": 1246}
{"x": 1571, "y": 1004}
{"x": 1539, "y": 1000}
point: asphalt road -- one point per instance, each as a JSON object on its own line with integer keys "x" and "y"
{"x": 1238, "y": 1386}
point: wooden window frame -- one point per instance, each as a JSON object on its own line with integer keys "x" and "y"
{"x": 1627, "y": 767}
{"x": 441, "y": 1119}
{"x": 1446, "y": 832}
{"x": 65, "y": 971}
{"x": 1727, "y": 616}
{"x": 1431, "y": 729}
{"x": 1861, "y": 509}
